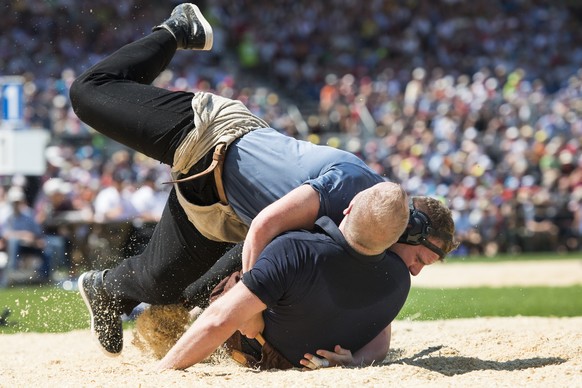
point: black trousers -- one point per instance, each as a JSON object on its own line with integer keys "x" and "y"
{"x": 116, "y": 98}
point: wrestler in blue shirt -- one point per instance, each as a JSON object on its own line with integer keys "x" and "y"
{"x": 264, "y": 165}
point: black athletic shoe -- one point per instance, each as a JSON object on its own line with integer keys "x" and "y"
{"x": 189, "y": 27}
{"x": 106, "y": 324}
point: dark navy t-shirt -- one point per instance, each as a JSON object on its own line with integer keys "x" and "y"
{"x": 320, "y": 293}
{"x": 264, "y": 165}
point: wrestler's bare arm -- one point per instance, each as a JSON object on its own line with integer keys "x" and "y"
{"x": 213, "y": 327}
{"x": 296, "y": 210}
{"x": 376, "y": 350}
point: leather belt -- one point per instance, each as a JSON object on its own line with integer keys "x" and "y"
{"x": 217, "y": 164}
{"x": 243, "y": 358}
{"x": 270, "y": 357}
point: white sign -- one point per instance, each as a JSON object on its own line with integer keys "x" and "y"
{"x": 22, "y": 151}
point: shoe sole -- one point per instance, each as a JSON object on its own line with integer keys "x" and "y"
{"x": 93, "y": 332}
{"x": 207, "y": 28}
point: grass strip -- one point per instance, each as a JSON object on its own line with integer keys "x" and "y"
{"x": 524, "y": 256}
{"x": 42, "y": 309}
{"x": 430, "y": 304}
{"x": 52, "y": 310}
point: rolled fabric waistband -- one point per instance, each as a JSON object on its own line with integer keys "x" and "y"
{"x": 216, "y": 166}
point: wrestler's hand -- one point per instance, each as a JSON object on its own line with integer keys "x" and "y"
{"x": 253, "y": 326}
{"x": 339, "y": 356}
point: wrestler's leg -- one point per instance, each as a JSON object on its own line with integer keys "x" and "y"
{"x": 198, "y": 293}
{"x": 115, "y": 98}
{"x": 176, "y": 256}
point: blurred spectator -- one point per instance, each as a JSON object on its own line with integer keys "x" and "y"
{"x": 113, "y": 203}
{"x": 5, "y": 206}
{"x": 61, "y": 221}
{"x": 148, "y": 200}
{"x": 113, "y": 219}
{"x": 21, "y": 236}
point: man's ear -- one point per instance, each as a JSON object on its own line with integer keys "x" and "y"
{"x": 349, "y": 208}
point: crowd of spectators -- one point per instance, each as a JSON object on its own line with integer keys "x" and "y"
{"x": 84, "y": 214}
{"x": 475, "y": 102}
{"x": 301, "y": 41}
{"x": 501, "y": 151}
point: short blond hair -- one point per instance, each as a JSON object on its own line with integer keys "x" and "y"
{"x": 378, "y": 217}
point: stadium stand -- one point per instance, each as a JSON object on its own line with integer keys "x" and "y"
{"x": 478, "y": 103}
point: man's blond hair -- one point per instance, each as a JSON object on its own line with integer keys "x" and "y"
{"x": 378, "y": 217}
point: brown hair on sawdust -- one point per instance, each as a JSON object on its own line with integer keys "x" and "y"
{"x": 158, "y": 328}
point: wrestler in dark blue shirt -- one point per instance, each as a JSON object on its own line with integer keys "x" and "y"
{"x": 316, "y": 279}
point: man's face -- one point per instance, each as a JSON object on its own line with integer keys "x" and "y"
{"x": 420, "y": 257}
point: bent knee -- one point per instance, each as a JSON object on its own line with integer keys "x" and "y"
{"x": 82, "y": 95}
{"x": 79, "y": 89}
